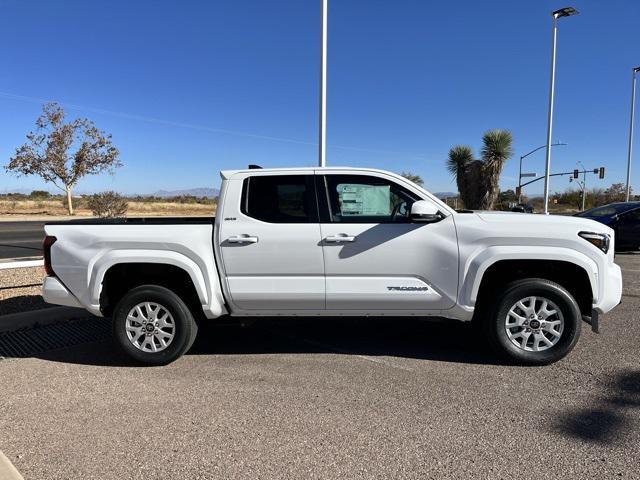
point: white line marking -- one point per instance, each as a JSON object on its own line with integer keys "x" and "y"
{"x": 7, "y": 470}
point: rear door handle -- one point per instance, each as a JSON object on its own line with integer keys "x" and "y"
{"x": 242, "y": 239}
{"x": 343, "y": 237}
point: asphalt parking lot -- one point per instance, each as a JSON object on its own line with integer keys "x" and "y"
{"x": 331, "y": 398}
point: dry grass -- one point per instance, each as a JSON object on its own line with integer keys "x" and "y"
{"x": 54, "y": 207}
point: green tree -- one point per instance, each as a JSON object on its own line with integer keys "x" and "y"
{"x": 62, "y": 153}
{"x": 477, "y": 180}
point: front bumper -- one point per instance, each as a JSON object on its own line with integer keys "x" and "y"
{"x": 53, "y": 291}
{"x": 611, "y": 291}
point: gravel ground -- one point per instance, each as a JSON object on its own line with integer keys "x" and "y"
{"x": 21, "y": 290}
{"x": 331, "y": 398}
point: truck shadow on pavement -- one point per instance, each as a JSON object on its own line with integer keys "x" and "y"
{"x": 448, "y": 341}
{"x": 608, "y": 419}
{"x": 21, "y": 303}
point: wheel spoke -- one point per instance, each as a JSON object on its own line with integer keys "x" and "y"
{"x": 162, "y": 320}
{"x": 522, "y": 307}
{"x": 543, "y": 307}
{"x": 163, "y": 334}
{"x": 519, "y": 320}
{"x": 546, "y": 341}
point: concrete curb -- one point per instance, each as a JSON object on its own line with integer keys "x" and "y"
{"x": 7, "y": 470}
{"x": 23, "y": 264}
{"x": 44, "y": 316}
{"x": 22, "y": 259}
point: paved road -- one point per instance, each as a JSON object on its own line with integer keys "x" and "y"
{"x": 331, "y": 398}
{"x": 21, "y": 239}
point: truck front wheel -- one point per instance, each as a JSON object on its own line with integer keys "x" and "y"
{"x": 152, "y": 325}
{"x": 534, "y": 322}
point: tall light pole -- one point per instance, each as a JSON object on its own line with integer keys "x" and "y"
{"x": 525, "y": 156}
{"x": 633, "y": 109}
{"x": 563, "y": 12}
{"x": 322, "y": 141}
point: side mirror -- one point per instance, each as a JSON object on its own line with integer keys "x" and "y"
{"x": 423, "y": 211}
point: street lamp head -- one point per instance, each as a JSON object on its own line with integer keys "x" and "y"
{"x": 636, "y": 69}
{"x": 565, "y": 12}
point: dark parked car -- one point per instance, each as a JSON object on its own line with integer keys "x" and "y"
{"x": 523, "y": 208}
{"x": 624, "y": 218}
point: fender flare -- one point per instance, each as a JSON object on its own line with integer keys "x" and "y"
{"x": 99, "y": 265}
{"x": 473, "y": 270}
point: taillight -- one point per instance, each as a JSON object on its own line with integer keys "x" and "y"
{"x": 46, "y": 247}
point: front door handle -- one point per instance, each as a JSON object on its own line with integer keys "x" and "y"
{"x": 343, "y": 237}
{"x": 242, "y": 239}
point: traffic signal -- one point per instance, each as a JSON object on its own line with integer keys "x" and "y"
{"x": 601, "y": 173}
{"x": 576, "y": 173}
{"x": 518, "y": 191}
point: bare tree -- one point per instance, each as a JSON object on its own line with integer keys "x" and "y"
{"x": 62, "y": 153}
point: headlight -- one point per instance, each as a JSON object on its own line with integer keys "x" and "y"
{"x": 600, "y": 240}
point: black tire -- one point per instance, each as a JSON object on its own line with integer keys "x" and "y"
{"x": 185, "y": 332}
{"x": 496, "y": 330}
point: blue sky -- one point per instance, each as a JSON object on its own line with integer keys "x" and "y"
{"x": 188, "y": 88}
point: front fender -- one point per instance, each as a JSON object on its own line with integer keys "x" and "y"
{"x": 473, "y": 269}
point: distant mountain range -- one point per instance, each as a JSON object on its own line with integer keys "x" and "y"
{"x": 445, "y": 194}
{"x": 196, "y": 192}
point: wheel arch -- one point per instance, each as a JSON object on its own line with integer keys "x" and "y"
{"x": 573, "y": 270}
{"x": 119, "y": 272}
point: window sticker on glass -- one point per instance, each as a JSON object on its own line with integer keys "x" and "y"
{"x": 365, "y": 200}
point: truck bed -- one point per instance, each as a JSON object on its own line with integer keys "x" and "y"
{"x": 138, "y": 221}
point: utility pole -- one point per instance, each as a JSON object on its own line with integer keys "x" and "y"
{"x": 522, "y": 157}
{"x": 584, "y": 188}
{"x": 322, "y": 142}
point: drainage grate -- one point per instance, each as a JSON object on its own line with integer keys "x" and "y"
{"x": 27, "y": 343}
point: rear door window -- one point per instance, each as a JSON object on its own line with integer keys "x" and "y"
{"x": 280, "y": 198}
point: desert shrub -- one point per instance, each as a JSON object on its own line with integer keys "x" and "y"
{"x": 108, "y": 205}
{"x": 39, "y": 195}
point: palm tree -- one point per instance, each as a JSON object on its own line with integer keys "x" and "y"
{"x": 477, "y": 180}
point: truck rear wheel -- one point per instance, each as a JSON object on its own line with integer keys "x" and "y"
{"x": 153, "y": 325}
{"x": 534, "y": 322}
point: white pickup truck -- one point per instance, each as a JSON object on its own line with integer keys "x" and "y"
{"x": 330, "y": 242}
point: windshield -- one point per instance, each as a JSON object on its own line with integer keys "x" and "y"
{"x": 607, "y": 210}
